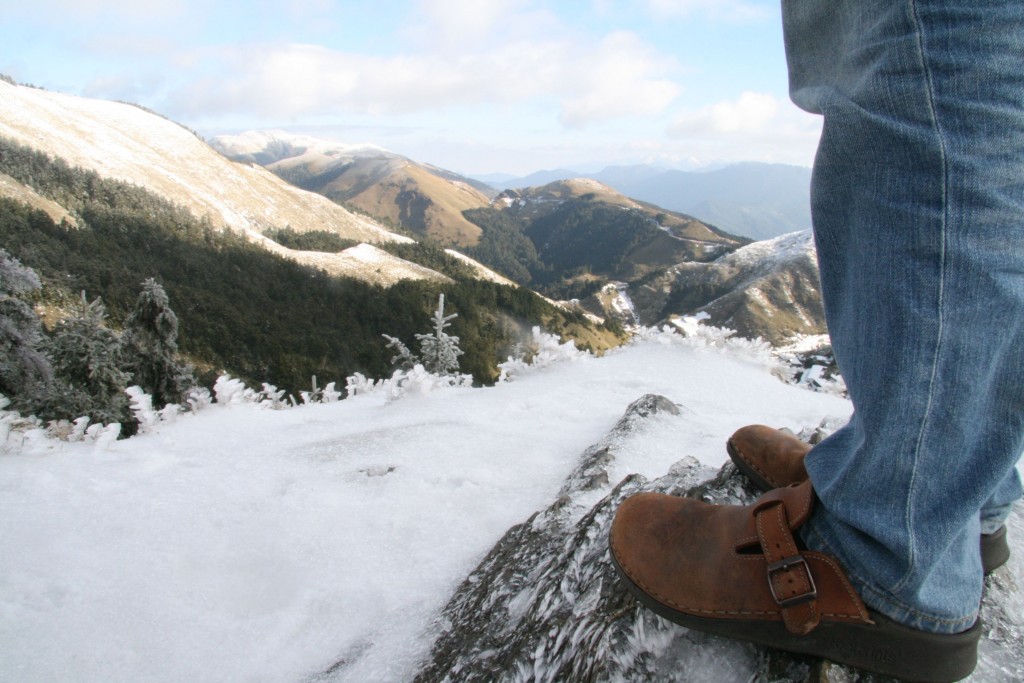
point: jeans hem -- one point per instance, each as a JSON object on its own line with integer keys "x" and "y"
{"x": 882, "y": 601}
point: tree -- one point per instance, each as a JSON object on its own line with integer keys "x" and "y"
{"x": 439, "y": 352}
{"x": 25, "y": 373}
{"x": 149, "y": 348}
{"x": 83, "y": 351}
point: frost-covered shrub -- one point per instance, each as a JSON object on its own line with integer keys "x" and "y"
{"x": 404, "y": 383}
{"x": 149, "y": 347}
{"x": 272, "y": 397}
{"x": 14, "y": 427}
{"x": 142, "y": 408}
{"x": 546, "y": 349}
{"x": 229, "y": 391}
{"x": 330, "y": 394}
{"x": 84, "y": 354}
{"x": 198, "y": 398}
{"x": 360, "y": 385}
{"x": 145, "y": 414}
{"x": 439, "y": 351}
{"x": 25, "y": 373}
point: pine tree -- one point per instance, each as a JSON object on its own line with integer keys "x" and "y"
{"x": 149, "y": 348}
{"x": 25, "y": 373}
{"x": 403, "y": 358}
{"x": 439, "y": 352}
{"x": 83, "y": 351}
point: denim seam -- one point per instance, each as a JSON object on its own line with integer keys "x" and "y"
{"x": 927, "y": 416}
{"x": 893, "y": 608}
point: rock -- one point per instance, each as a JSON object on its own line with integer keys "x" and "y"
{"x": 546, "y": 604}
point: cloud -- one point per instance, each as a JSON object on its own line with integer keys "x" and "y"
{"x": 757, "y": 124}
{"x": 622, "y": 79}
{"x": 620, "y": 76}
{"x": 751, "y": 113}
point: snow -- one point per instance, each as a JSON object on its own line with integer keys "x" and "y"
{"x": 482, "y": 271}
{"x": 127, "y": 143}
{"x": 770, "y": 254}
{"x": 243, "y": 543}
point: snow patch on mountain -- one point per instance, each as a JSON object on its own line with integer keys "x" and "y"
{"x": 127, "y": 143}
{"x": 482, "y": 271}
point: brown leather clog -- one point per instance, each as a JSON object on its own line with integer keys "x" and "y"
{"x": 740, "y": 572}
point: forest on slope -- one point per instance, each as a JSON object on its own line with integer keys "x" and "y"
{"x": 243, "y": 310}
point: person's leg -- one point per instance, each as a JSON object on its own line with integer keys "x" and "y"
{"x": 918, "y": 208}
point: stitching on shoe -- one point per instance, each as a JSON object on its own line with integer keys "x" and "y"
{"x": 750, "y": 463}
{"x": 864, "y": 617}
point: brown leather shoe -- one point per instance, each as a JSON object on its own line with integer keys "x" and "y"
{"x": 772, "y": 458}
{"x": 740, "y": 572}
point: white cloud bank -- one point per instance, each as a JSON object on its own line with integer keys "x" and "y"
{"x": 765, "y": 127}
{"x": 620, "y": 76}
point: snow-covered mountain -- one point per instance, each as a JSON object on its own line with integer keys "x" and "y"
{"x": 767, "y": 289}
{"x": 125, "y": 142}
{"x": 336, "y": 542}
{"x": 419, "y": 197}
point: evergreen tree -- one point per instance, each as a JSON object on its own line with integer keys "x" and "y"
{"x": 83, "y": 351}
{"x": 149, "y": 348}
{"x": 439, "y": 352}
{"x": 25, "y": 373}
{"x": 403, "y": 358}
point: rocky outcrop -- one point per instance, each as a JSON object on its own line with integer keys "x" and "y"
{"x": 546, "y": 605}
{"x": 766, "y": 289}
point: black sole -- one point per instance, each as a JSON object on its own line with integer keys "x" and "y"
{"x": 760, "y": 482}
{"x": 884, "y": 647}
{"x": 995, "y": 550}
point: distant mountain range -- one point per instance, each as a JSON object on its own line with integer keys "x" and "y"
{"x": 754, "y": 200}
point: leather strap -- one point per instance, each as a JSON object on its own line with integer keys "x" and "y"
{"x": 789, "y": 577}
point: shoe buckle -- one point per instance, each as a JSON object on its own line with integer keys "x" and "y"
{"x": 787, "y": 564}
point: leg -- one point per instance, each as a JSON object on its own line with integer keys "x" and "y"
{"x": 918, "y": 206}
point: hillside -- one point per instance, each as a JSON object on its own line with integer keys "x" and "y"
{"x": 248, "y": 305}
{"x": 569, "y": 238}
{"x": 767, "y": 289}
{"x": 419, "y": 198}
{"x": 125, "y": 142}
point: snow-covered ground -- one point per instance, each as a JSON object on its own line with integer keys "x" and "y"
{"x": 247, "y": 544}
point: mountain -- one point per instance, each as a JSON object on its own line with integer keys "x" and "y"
{"x": 768, "y": 289}
{"x": 447, "y": 531}
{"x": 127, "y": 143}
{"x": 577, "y": 234}
{"x": 425, "y": 200}
{"x": 759, "y": 201}
{"x": 755, "y": 200}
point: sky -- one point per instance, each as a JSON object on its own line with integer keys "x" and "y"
{"x": 475, "y": 86}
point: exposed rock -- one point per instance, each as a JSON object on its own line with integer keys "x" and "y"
{"x": 546, "y": 604}
{"x": 766, "y": 289}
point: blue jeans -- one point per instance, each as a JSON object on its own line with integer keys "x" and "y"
{"x": 918, "y": 209}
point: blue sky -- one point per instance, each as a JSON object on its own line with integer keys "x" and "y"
{"x": 476, "y": 86}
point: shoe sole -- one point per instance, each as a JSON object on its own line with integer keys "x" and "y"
{"x": 753, "y": 475}
{"x": 995, "y": 550}
{"x": 883, "y": 647}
